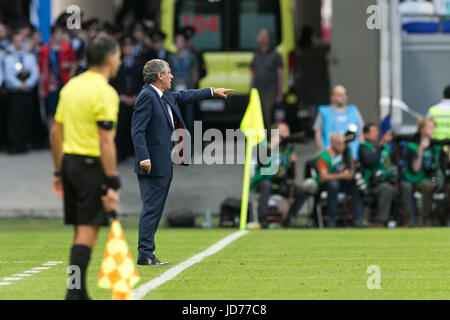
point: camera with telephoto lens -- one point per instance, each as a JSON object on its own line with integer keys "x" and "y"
{"x": 295, "y": 138}
{"x": 442, "y": 143}
{"x": 378, "y": 178}
{"x": 350, "y": 135}
{"x": 358, "y": 179}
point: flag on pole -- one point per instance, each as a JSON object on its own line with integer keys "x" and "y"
{"x": 253, "y": 122}
{"x": 117, "y": 271}
{"x": 253, "y": 127}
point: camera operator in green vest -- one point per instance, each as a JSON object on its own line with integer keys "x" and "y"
{"x": 380, "y": 174}
{"x": 425, "y": 162}
{"x": 336, "y": 174}
{"x": 280, "y": 154}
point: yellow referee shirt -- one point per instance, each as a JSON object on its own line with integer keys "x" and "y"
{"x": 84, "y": 101}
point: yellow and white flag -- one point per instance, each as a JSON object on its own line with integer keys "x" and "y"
{"x": 253, "y": 122}
{"x": 118, "y": 272}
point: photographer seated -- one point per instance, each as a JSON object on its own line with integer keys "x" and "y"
{"x": 424, "y": 171}
{"x": 380, "y": 174}
{"x": 335, "y": 176}
{"x": 281, "y": 182}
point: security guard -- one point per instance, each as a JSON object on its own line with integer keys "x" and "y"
{"x": 84, "y": 152}
{"x": 128, "y": 84}
{"x": 21, "y": 77}
{"x": 441, "y": 116}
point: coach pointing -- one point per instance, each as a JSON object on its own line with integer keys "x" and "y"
{"x": 156, "y": 116}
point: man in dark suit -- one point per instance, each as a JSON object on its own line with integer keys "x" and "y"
{"x": 156, "y": 116}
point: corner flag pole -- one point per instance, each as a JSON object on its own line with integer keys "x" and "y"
{"x": 252, "y": 126}
{"x": 246, "y": 182}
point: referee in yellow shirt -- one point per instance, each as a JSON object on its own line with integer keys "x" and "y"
{"x": 84, "y": 153}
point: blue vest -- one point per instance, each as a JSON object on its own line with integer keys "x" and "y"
{"x": 339, "y": 122}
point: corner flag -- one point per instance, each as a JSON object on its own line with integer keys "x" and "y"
{"x": 253, "y": 127}
{"x": 253, "y": 122}
{"x": 117, "y": 272}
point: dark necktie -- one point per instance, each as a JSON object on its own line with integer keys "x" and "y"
{"x": 177, "y": 125}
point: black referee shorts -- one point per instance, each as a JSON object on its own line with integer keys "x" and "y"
{"x": 82, "y": 178}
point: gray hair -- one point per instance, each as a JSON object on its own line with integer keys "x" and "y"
{"x": 336, "y": 136}
{"x": 152, "y": 68}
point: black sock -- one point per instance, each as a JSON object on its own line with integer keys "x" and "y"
{"x": 79, "y": 257}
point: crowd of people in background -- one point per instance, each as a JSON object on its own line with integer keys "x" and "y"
{"x": 32, "y": 73}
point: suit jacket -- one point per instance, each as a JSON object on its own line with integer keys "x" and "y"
{"x": 151, "y": 127}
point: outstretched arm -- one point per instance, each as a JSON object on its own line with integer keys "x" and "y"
{"x": 222, "y": 93}
{"x": 193, "y": 96}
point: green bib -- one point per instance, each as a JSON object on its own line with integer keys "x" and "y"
{"x": 385, "y": 167}
{"x": 430, "y": 159}
{"x": 335, "y": 164}
{"x": 282, "y": 161}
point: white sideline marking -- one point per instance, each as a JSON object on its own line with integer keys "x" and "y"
{"x": 52, "y": 263}
{"x": 29, "y": 273}
{"x": 140, "y": 292}
{"x": 12, "y": 279}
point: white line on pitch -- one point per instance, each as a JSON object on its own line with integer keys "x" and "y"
{"x": 52, "y": 263}
{"x": 143, "y": 290}
{"x": 29, "y": 273}
{"x": 12, "y": 279}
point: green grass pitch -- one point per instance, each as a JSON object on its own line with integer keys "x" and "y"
{"x": 269, "y": 264}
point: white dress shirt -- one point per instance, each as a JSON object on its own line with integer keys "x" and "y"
{"x": 167, "y": 105}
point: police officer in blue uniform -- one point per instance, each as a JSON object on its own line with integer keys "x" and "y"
{"x": 21, "y": 77}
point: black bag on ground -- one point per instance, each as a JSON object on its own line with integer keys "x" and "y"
{"x": 180, "y": 219}
{"x": 230, "y": 213}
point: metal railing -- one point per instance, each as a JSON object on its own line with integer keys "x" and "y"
{"x": 433, "y": 18}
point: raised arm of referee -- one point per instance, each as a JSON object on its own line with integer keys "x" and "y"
{"x": 84, "y": 154}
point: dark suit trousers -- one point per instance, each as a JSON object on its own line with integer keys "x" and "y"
{"x": 19, "y": 120}
{"x": 124, "y": 142}
{"x": 154, "y": 191}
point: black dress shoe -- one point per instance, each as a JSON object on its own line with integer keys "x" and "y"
{"x": 152, "y": 262}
